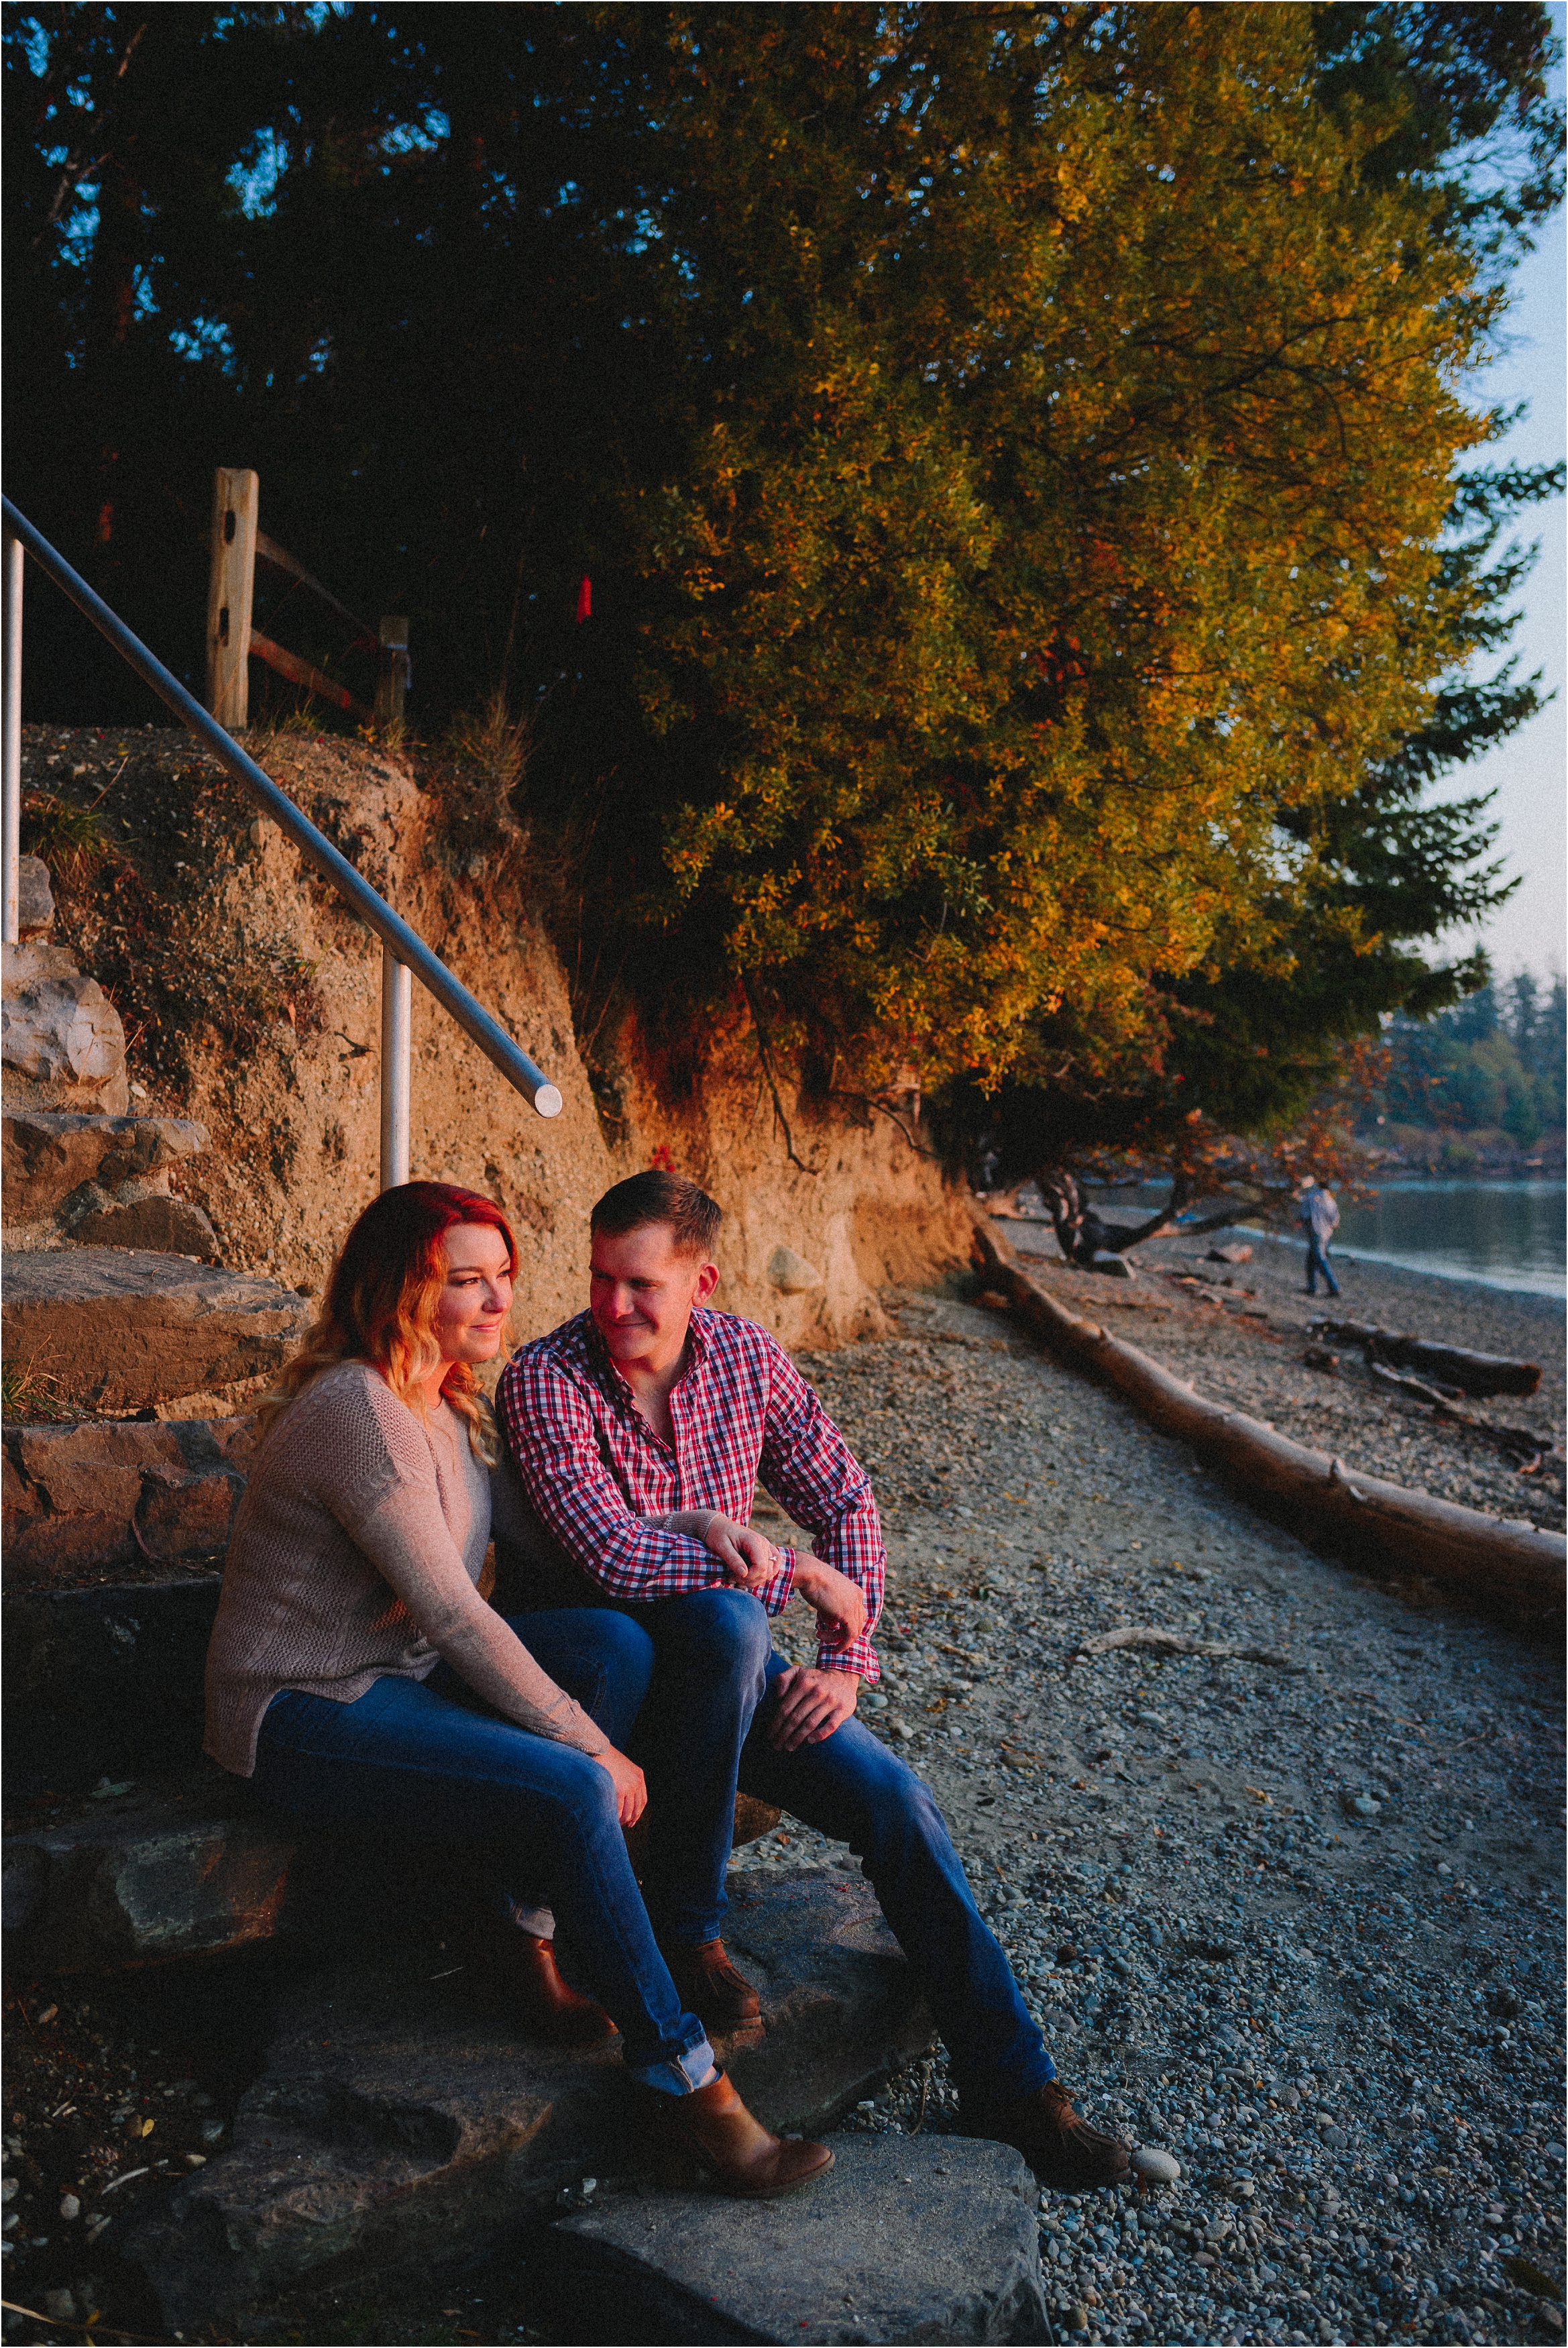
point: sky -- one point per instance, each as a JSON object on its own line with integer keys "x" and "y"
{"x": 1529, "y": 772}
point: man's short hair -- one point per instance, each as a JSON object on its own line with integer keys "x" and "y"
{"x": 657, "y": 1196}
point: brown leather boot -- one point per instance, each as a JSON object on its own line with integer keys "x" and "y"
{"x": 1060, "y": 2148}
{"x": 518, "y": 1971}
{"x": 711, "y": 2129}
{"x": 710, "y": 1987}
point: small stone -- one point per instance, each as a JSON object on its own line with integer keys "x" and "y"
{"x": 60, "y": 2307}
{"x": 211, "y": 2130}
{"x": 70, "y": 2206}
{"x": 1156, "y": 2166}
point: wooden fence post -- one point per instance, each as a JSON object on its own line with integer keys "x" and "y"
{"x": 236, "y": 501}
{"x": 391, "y": 671}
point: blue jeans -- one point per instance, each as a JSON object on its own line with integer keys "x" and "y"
{"x": 711, "y": 1655}
{"x": 1318, "y": 1261}
{"x": 413, "y": 1758}
{"x": 849, "y": 1787}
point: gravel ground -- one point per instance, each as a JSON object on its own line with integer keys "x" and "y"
{"x": 1303, "y": 1926}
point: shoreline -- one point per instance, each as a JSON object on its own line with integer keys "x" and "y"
{"x": 1554, "y": 1299}
{"x": 1242, "y": 1334}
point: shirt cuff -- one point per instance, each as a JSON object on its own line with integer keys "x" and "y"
{"x": 775, "y": 1595}
{"x": 858, "y": 1655}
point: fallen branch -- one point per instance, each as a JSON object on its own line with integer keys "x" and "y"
{"x": 1509, "y": 1562}
{"x": 1176, "y": 1643}
{"x": 1473, "y": 1374}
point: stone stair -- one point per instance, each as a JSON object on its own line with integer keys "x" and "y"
{"x": 131, "y": 1355}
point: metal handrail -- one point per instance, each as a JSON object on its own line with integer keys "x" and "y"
{"x": 404, "y": 949}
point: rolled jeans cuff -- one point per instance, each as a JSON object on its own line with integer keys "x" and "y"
{"x": 693, "y": 2069}
{"x": 539, "y": 1921}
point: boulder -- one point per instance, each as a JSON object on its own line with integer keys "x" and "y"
{"x": 36, "y": 899}
{"x": 791, "y": 1274}
{"x": 177, "y": 1868}
{"x": 1228, "y": 1255}
{"x": 62, "y": 1045}
{"x": 82, "y": 1500}
{"x": 926, "y": 2239}
{"x": 394, "y": 2127}
{"x": 186, "y": 1864}
{"x": 48, "y": 1155}
{"x": 121, "y": 1331}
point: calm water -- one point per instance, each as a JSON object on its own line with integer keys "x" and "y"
{"x": 1508, "y": 1235}
{"x": 1505, "y": 1234}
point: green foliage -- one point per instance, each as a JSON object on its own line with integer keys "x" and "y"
{"x": 1497, "y": 1061}
{"x": 1015, "y": 453}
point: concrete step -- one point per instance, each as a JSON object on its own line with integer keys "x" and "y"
{"x": 81, "y": 1502}
{"x": 394, "y": 2129}
{"x": 99, "y": 1180}
{"x": 122, "y": 1330}
{"x": 62, "y": 1045}
{"x": 925, "y": 2238}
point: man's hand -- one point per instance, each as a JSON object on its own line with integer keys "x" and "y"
{"x": 748, "y": 1557}
{"x": 840, "y": 1603}
{"x": 631, "y": 1791}
{"x": 809, "y": 1704}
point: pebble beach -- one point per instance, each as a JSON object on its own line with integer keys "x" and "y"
{"x": 1296, "y": 1920}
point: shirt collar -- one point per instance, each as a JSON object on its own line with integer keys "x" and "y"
{"x": 699, "y": 1340}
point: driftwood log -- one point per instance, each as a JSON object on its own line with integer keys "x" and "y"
{"x": 1520, "y": 1442}
{"x": 1510, "y": 1565}
{"x": 1472, "y": 1374}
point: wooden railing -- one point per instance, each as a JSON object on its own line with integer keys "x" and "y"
{"x": 233, "y": 640}
{"x": 405, "y": 954}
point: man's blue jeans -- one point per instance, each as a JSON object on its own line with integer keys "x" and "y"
{"x": 1318, "y": 1261}
{"x": 424, "y": 1758}
{"x": 849, "y": 1787}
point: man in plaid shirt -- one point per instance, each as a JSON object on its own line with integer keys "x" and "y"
{"x": 638, "y": 1431}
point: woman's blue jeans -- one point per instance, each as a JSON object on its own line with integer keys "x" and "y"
{"x": 413, "y": 1758}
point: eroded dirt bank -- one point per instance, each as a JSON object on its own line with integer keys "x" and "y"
{"x": 251, "y": 1001}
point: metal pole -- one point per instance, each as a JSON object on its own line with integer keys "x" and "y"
{"x": 397, "y": 1067}
{"x": 374, "y": 911}
{"x": 11, "y": 811}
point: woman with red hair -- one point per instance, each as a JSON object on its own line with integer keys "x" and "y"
{"x": 356, "y": 1675}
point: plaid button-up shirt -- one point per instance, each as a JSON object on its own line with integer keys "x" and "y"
{"x": 598, "y": 1476}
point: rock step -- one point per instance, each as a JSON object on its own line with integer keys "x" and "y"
{"x": 930, "y": 2238}
{"x": 99, "y": 1180}
{"x": 104, "y": 1683}
{"x": 192, "y": 1863}
{"x": 116, "y": 1330}
{"x": 108, "y": 1495}
{"x": 394, "y": 2128}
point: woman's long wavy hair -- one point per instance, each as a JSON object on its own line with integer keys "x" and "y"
{"x": 381, "y": 1299}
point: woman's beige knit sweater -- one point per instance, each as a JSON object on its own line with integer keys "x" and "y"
{"x": 356, "y": 1551}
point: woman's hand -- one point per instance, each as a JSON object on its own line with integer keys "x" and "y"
{"x": 747, "y": 1556}
{"x": 840, "y": 1603}
{"x": 631, "y": 1791}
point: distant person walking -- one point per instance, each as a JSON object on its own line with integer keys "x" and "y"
{"x": 1317, "y": 1211}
